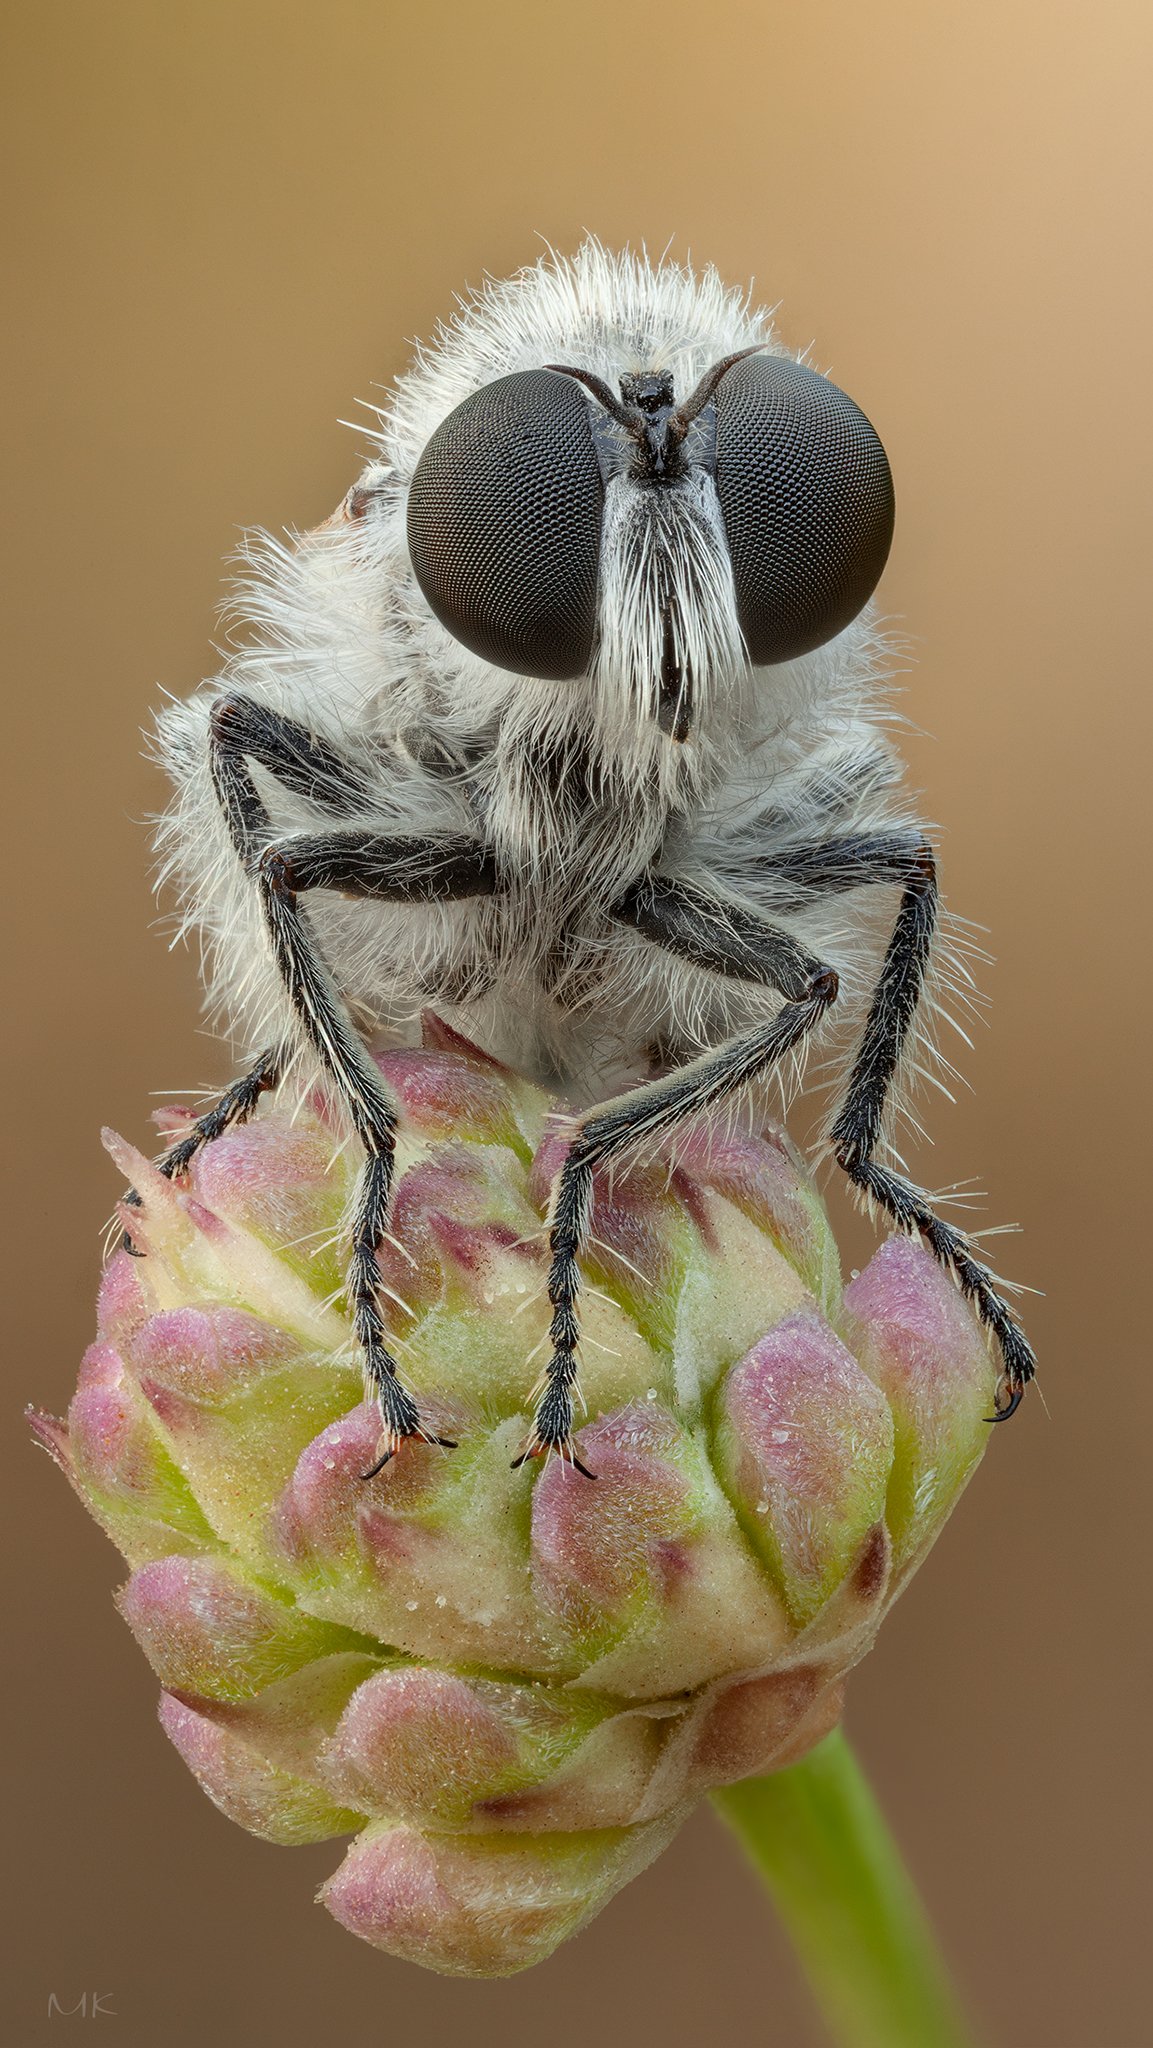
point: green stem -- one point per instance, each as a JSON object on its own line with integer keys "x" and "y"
{"x": 819, "y": 1840}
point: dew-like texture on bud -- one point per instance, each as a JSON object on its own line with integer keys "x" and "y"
{"x": 807, "y": 1439}
{"x": 509, "y": 1684}
{"x": 207, "y": 1629}
{"x": 258, "y": 1759}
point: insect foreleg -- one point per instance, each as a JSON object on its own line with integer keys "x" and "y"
{"x": 728, "y": 940}
{"x": 856, "y": 1130}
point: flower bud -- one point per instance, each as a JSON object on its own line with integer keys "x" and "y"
{"x": 474, "y": 1906}
{"x": 808, "y": 1439}
{"x": 509, "y": 1681}
{"x": 258, "y": 1760}
{"x": 918, "y": 1339}
{"x": 208, "y": 1630}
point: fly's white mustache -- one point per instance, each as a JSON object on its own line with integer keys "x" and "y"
{"x": 571, "y": 724}
{"x": 669, "y": 641}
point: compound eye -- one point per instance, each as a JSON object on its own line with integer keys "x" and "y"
{"x": 807, "y": 500}
{"x": 504, "y": 524}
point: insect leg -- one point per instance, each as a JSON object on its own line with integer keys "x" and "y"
{"x": 396, "y": 870}
{"x": 324, "y": 1020}
{"x": 728, "y": 940}
{"x": 406, "y": 870}
{"x": 307, "y": 765}
{"x": 234, "y": 1107}
{"x": 856, "y": 1130}
{"x": 312, "y": 768}
{"x": 830, "y": 867}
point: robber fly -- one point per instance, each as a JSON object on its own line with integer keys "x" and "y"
{"x": 570, "y": 723}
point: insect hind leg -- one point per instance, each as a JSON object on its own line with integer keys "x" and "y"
{"x": 911, "y": 1211}
{"x": 856, "y": 1130}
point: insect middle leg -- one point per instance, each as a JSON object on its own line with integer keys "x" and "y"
{"x": 358, "y": 863}
{"x": 728, "y": 940}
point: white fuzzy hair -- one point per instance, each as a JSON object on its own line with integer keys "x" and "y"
{"x": 578, "y": 788}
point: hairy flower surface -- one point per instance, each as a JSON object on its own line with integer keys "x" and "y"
{"x": 510, "y": 1686}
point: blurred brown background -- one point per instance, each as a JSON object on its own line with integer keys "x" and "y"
{"x": 227, "y": 219}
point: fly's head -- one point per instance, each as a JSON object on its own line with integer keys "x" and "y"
{"x": 662, "y": 545}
